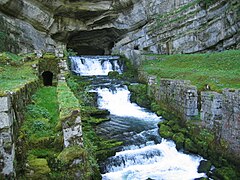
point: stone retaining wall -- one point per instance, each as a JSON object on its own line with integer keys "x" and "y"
{"x": 11, "y": 115}
{"x": 219, "y": 113}
{"x": 179, "y": 96}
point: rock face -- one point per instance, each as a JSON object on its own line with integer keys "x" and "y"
{"x": 126, "y": 26}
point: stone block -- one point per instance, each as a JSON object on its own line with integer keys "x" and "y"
{"x": 5, "y": 120}
{"x": 4, "y": 103}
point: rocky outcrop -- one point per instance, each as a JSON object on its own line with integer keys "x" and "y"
{"x": 190, "y": 28}
{"x": 95, "y": 27}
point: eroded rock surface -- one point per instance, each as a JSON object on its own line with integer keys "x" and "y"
{"x": 97, "y": 27}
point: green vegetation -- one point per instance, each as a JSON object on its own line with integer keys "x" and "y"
{"x": 192, "y": 138}
{"x": 41, "y": 117}
{"x": 12, "y": 75}
{"x": 218, "y": 70}
{"x": 99, "y": 147}
{"x": 67, "y": 101}
{"x": 39, "y": 137}
{"x": 139, "y": 95}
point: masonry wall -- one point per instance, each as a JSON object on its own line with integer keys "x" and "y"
{"x": 11, "y": 115}
{"x": 220, "y": 112}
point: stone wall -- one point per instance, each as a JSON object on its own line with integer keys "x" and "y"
{"x": 11, "y": 115}
{"x": 69, "y": 116}
{"x": 221, "y": 114}
{"x": 179, "y": 96}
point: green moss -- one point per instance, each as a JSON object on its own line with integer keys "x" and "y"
{"x": 165, "y": 131}
{"x": 49, "y": 56}
{"x": 67, "y": 100}
{"x": 218, "y": 70}
{"x": 179, "y": 139}
{"x": 226, "y": 173}
{"x": 39, "y": 166}
{"x": 71, "y": 153}
{"x": 41, "y": 117}
{"x": 139, "y": 95}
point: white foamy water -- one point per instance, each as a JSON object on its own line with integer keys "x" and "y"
{"x": 155, "y": 161}
{"x": 95, "y": 65}
{"x": 150, "y": 158}
{"x": 118, "y": 103}
{"x": 160, "y": 161}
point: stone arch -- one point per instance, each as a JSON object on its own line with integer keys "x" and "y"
{"x": 47, "y": 78}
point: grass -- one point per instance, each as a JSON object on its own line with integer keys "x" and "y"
{"x": 218, "y": 70}
{"x": 41, "y": 116}
{"x": 67, "y": 100}
{"x": 14, "y": 77}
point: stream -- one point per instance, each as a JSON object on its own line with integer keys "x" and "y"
{"x": 144, "y": 154}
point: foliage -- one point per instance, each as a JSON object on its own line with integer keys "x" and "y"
{"x": 14, "y": 77}
{"x": 39, "y": 166}
{"x": 218, "y": 70}
{"x": 67, "y": 100}
{"x": 42, "y": 116}
{"x": 98, "y": 147}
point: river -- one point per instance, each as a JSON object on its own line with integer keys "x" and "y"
{"x": 144, "y": 154}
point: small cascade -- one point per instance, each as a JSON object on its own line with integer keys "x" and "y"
{"x": 95, "y": 65}
{"x": 159, "y": 161}
{"x": 144, "y": 153}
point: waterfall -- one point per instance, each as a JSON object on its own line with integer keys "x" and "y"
{"x": 95, "y": 65}
{"x": 144, "y": 153}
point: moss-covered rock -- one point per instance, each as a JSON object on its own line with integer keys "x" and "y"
{"x": 139, "y": 94}
{"x": 114, "y": 74}
{"x": 204, "y": 166}
{"x": 38, "y": 168}
{"x": 179, "y": 140}
{"x": 165, "y": 131}
{"x": 226, "y": 173}
{"x": 69, "y": 154}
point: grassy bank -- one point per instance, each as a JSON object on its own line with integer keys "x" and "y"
{"x": 40, "y": 139}
{"x": 15, "y": 71}
{"x": 218, "y": 70}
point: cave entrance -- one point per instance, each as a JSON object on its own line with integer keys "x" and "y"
{"x": 88, "y": 50}
{"x": 94, "y": 42}
{"x": 47, "y": 78}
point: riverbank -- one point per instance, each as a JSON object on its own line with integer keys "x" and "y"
{"x": 179, "y": 102}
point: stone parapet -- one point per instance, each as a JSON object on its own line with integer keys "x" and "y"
{"x": 11, "y": 117}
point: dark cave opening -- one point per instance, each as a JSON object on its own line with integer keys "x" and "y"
{"x": 94, "y": 42}
{"x": 47, "y": 78}
{"x": 88, "y": 50}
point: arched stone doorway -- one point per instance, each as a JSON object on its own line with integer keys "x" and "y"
{"x": 47, "y": 78}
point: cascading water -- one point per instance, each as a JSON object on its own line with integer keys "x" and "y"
{"x": 144, "y": 153}
{"x": 95, "y": 65}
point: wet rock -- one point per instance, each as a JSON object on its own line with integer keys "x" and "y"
{"x": 204, "y": 166}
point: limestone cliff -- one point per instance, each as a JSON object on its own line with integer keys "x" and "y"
{"x": 127, "y": 26}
